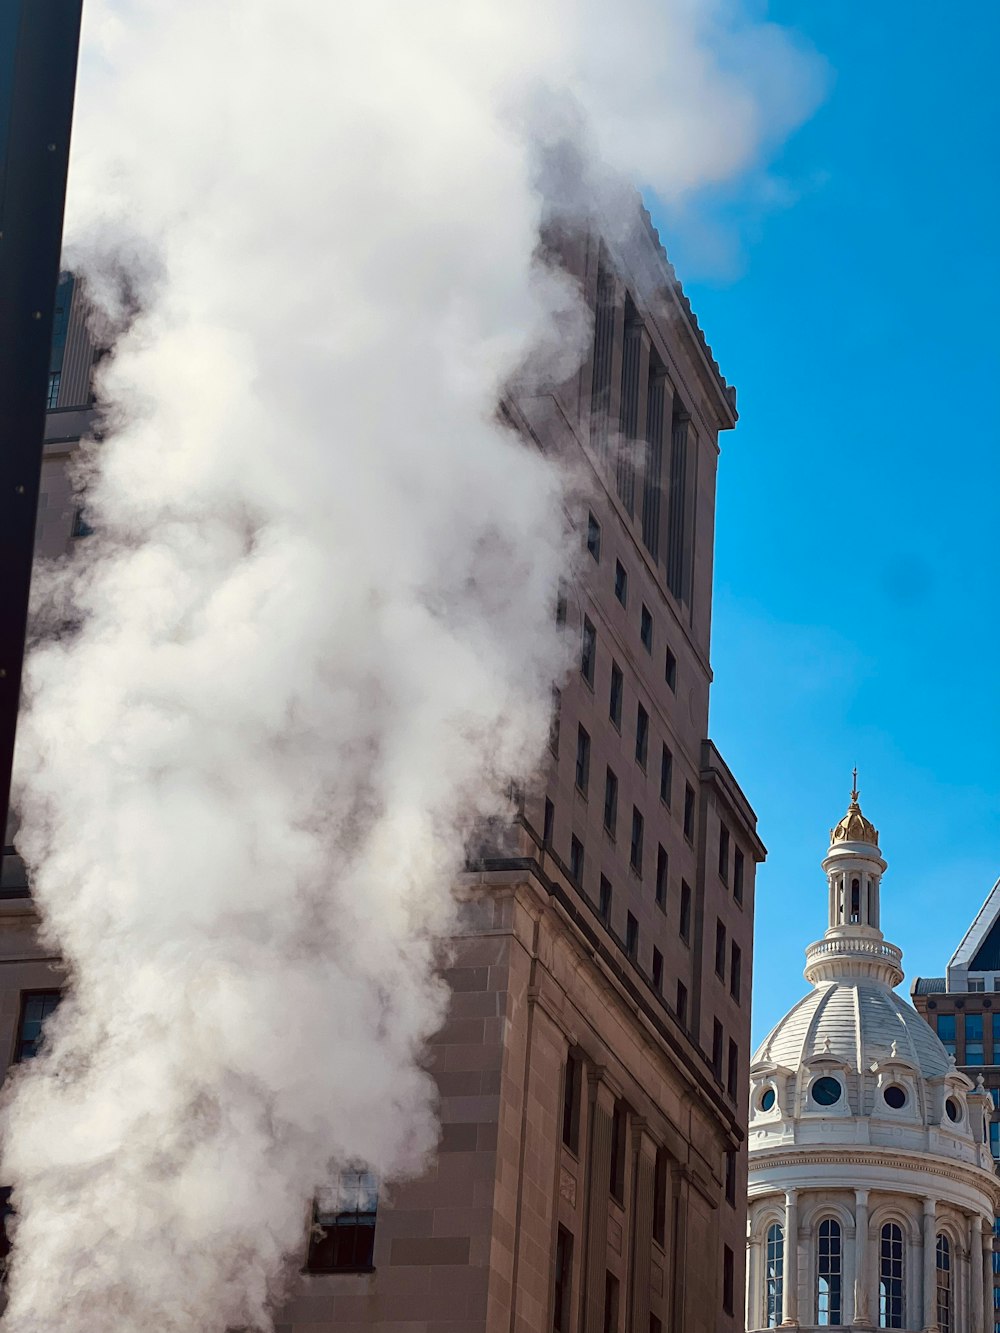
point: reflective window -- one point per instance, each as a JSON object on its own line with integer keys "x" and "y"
{"x": 342, "y": 1239}
{"x": 35, "y": 1009}
{"x": 946, "y": 1031}
{"x": 774, "y": 1276}
{"x": 890, "y": 1277}
{"x": 826, "y": 1091}
{"x": 973, "y": 1039}
{"x": 943, "y": 1285}
{"x": 829, "y": 1272}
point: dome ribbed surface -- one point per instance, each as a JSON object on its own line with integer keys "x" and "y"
{"x": 860, "y": 1019}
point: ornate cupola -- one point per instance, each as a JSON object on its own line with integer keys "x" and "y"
{"x": 853, "y": 944}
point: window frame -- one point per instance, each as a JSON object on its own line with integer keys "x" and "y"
{"x": 20, "y": 1040}
{"x": 891, "y": 1276}
{"x": 829, "y": 1269}
{"x": 363, "y": 1231}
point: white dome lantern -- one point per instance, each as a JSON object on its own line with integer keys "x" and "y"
{"x": 866, "y": 1144}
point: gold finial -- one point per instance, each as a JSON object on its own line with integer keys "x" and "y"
{"x": 854, "y": 789}
{"x": 854, "y": 827}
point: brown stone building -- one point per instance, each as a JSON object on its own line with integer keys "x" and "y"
{"x": 963, "y": 1007}
{"x": 592, "y": 1167}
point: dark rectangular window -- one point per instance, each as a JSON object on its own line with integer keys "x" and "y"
{"x": 738, "y": 875}
{"x": 973, "y": 1039}
{"x": 717, "y": 1048}
{"x": 576, "y": 860}
{"x": 618, "y": 1128}
{"x": 604, "y": 905}
{"x": 657, "y": 970}
{"x": 588, "y": 653}
{"x": 736, "y": 972}
{"x": 635, "y": 854}
{"x": 548, "y": 820}
{"x": 621, "y": 583}
{"x": 342, "y": 1239}
{"x": 593, "y": 537}
{"x": 682, "y": 1004}
{"x": 36, "y": 1006}
{"x": 641, "y": 735}
{"x": 685, "y": 921}
{"x": 631, "y": 936}
{"x": 946, "y": 1031}
{"x": 689, "y": 812}
{"x": 562, "y": 605}
{"x": 610, "y": 801}
{"x": 660, "y": 1179}
{"x": 727, "y": 1279}
{"x": 720, "y": 949}
{"x": 654, "y": 1324}
{"x": 733, "y": 1070}
{"x": 81, "y": 528}
{"x": 666, "y": 774}
{"x": 554, "y": 721}
{"x": 670, "y": 673}
{"x": 53, "y": 399}
{"x": 646, "y": 629}
{"x": 563, "y": 1282}
{"x": 724, "y": 854}
{"x": 731, "y": 1178}
{"x": 571, "y": 1101}
{"x": 610, "y": 1303}
{"x": 617, "y": 692}
{"x": 662, "y": 874}
{"x": 582, "y": 759}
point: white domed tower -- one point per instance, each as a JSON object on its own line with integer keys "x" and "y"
{"x": 872, "y": 1191}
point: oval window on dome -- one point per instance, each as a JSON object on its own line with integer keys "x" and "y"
{"x": 826, "y": 1091}
{"x": 895, "y": 1096}
{"x": 953, "y": 1109}
{"x": 767, "y": 1099}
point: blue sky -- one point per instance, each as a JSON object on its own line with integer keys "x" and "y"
{"x": 858, "y": 549}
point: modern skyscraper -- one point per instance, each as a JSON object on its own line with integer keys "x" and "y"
{"x": 871, "y": 1191}
{"x": 963, "y": 1007}
{"x": 592, "y": 1072}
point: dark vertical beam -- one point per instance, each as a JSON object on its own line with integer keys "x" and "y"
{"x": 39, "y": 41}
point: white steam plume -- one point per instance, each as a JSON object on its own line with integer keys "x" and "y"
{"x": 315, "y": 625}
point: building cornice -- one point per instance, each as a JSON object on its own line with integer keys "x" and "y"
{"x": 963, "y": 1173}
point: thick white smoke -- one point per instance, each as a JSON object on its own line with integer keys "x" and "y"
{"x": 314, "y": 629}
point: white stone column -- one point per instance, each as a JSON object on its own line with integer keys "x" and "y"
{"x": 862, "y": 1314}
{"x": 930, "y": 1266}
{"x": 976, "y": 1280}
{"x": 755, "y": 1284}
{"x": 790, "y": 1286}
{"x": 988, "y": 1320}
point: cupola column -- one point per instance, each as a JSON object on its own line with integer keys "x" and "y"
{"x": 976, "y": 1266}
{"x": 790, "y": 1286}
{"x": 861, "y": 1318}
{"x": 930, "y": 1266}
{"x": 989, "y": 1317}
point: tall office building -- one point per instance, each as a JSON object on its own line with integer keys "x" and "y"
{"x": 592, "y": 1167}
{"x": 963, "y": 1007}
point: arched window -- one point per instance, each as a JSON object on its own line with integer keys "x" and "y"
{"x": 774, "y": 1276}
{"x": 855, "y": 900}
{"x": 890, "y": 1277}
{"x": 828, "y": 1273}
{"x": 943, "y": 1284}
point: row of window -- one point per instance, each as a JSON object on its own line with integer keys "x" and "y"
{"x": 738, "y": 861}
{"x": 573, "y": 1084}
{"x": 975, "y": 1050}
{"x": 621, "y": 595}
{"x": 588, "y": 667}
{"x": 829, "y": 1274}
{"x": 735, "y": 961}
{"x": 577, "y": 858}
{"x": 732, "y": 1060}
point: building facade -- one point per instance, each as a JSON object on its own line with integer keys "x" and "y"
{"x": 591, "y": 1174}
{"x": 963, "y": 1008}
{"x": 872, "y": 1193}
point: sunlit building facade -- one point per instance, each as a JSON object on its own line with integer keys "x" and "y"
{"x": 591, "y": 1174}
